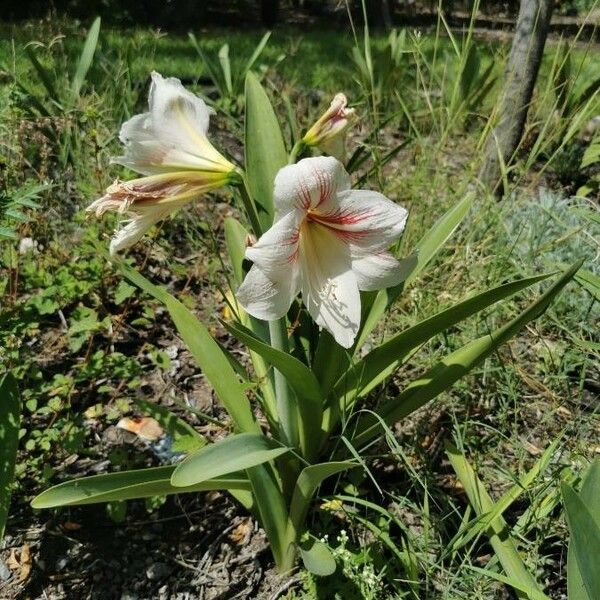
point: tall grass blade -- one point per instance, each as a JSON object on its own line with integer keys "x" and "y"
{"x": 85, "y": 59}
{"x": 499, "y": 535}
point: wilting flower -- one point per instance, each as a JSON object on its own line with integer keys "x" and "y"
{"x": 328, "y": 242}
{"x": 328, "y": 133}
{"x": 169, "y": 146}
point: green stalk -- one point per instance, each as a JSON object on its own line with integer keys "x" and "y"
{"x": 249, "y": 205}
{"x": 286, "y": 411}
{"x": 296, "y": 150}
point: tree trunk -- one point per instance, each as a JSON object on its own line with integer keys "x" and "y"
{"x": 515, "y": 98}
{"x": 269, "y": 13}
{"x": 378, "y": 14}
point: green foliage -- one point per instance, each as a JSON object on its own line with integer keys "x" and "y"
{"x": 18, "y": 207}
{"x": 583, "y": 516}
{"x": 10, "y": 418}
{"x": 77, "y": 338}
{"x": 227, "y": 78}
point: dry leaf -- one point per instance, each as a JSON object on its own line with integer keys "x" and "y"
{"x": 26, "y": 562}
{"x": 240, "y": 535}
{"x": 22, "y": 564}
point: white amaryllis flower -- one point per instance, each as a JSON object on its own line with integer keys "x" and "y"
{"x": 329, "y": 132}
{"x": 168, "y": 145}
{"x": 328, "y": 242}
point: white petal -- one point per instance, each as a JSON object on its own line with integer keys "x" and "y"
{"x": 379, "y": 271}
{"x": 366, "y": 220}
{"x": 329, "y": 288}
{"x": 308, "y": 183}
{"x": 172, "y": 136}
{"x": 276, "y": 251}
{"x": 135, "y": 229}
{"x": 166, "y": 95}
{"x": 265, "y": 299}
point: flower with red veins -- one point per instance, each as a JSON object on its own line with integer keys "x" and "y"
{"x": 168, "y": 145}
{"x": 329, "y": 132}
{"x": 328, "y": 242}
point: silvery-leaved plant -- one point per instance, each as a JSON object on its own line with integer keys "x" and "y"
{"x": 322, "y": 273}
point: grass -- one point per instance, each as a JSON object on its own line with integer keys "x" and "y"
{"x": 83, "y": 344}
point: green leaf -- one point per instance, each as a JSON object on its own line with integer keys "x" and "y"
{"x": 210, "y": 356}
{"x": 231, "y": 454}
{"x": 381, "y": 362}
{"x": 45, "y": 75}
{"x": 265, "y": 149}
{"x": 8, "y": 233}
{"x": 592, "y": 153}
{"x": 508, "y": 498}
{"x": 528, "y": 591}
{"x": 85, "y": 59}
{"x": 299, "y": 377}
{"x": 433, "y": 241}
{"x": 590, "y": 281}
{"x": 210, "y": 66}
{"x": 185, "y": 437}
{"x": 590, "y": 496}
{"x": 456, "y": 365}
{"x": 226, "y": 67}
{"x": 10, "y": 419}
{"x": 585, "y": 540}
{"x": 141, "y": 483}
{"x": 272, "y": 510}
{"x": 123, "y": 292}
{"x": 498, "y": 531}
{"x": 317, "y": 558}
{"x": 308, "y": 481}
{"x": 235, "y": 240}
{"x": 257, "y": 52}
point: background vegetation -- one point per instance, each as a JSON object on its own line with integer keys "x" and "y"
{"x": 87, "y": 348}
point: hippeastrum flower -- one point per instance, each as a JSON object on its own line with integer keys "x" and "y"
{"x": 168, "y": 145}
{"x": 328, "y": 133}
{"x": 328, "y": 242}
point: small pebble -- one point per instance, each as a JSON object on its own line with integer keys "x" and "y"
{"x": 5, "y": 572}
{"x": 158, "y": 570}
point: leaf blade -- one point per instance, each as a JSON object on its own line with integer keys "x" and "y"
{"x": 128, "y": 485}
{"x": 265, "y": 149}
{"x": 231, "y": 454}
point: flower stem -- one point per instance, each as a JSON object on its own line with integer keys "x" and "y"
{"x": 286, "y": 411}
{"x": 250, "y": 206}
{"x": 296, "y": 150}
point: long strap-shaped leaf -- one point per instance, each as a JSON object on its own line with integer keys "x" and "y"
{"x": 85, "y": 59}
{"x": 584, "y": 547}
{"x": 499, "y": 536}
{"x": 10, "y": 419}
{"x": 381, "y": 362}
{"x": 208, "y": 354}
{"x": 236, "y": 236}
{"x": 427, "y": 248}
{"x": 128, "y": 485}
{"x": 455, "y": 366}
{"x": 233, "y": 453}
{"x": 265, "y": 149}
{"x": 308, "y": 481}
{"x": 299, "y": 377}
